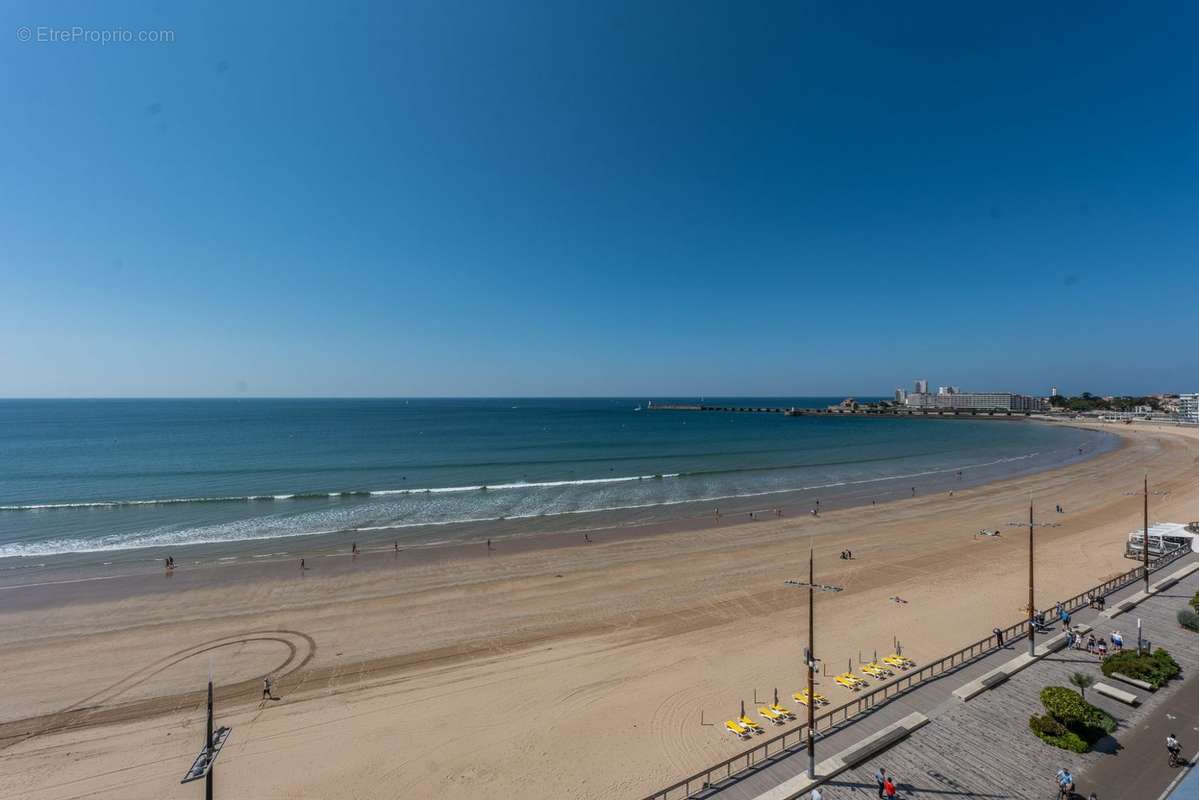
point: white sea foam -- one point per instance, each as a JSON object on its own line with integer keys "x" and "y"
{"x": 349, "y": 494}
{"x": 255, "y": 529}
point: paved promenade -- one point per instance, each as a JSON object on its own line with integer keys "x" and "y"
{"x": 984, "y": 749}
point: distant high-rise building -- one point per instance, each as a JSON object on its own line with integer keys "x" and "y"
{"x": 1053, "y": 391}
{"x": 1188, "y": 407}
{"x": 901, "y": 396}
{"x": 921, "y": 386}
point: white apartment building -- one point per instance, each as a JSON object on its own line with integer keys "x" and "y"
{"x": 1188, "y": 407}
{"x": 977, "y": 401}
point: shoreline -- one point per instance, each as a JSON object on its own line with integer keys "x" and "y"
{"x": 63, "y": 578}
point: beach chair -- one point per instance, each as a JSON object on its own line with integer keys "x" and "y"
{"x": 802, "y": 697}
{"x": 737, "y": 730}
{"x": 897, "y": 660}
{"x": 876, "y": 670}
{"x": 751, "y": 724}
{"x": 850, "y": 681}
{"x": 782, "y": 712}
{"x": 772, "y": 715}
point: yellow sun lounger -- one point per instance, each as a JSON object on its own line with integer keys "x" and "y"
{"x": 782, "y": 712}
{"x": 897, "y": 660}
{"x": 876, "y": 670}
{"x": 802, "y": 697}
{"x": 751, "y": 724}
{"x": 773, "y": 716}
{"x": 850, "y": 681}
{"x": 737, "y": 730}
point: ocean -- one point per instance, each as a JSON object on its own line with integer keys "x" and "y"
{"x": 102, "y": 478}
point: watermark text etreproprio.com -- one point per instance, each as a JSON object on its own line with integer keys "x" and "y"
{"x": 78, "y": 34}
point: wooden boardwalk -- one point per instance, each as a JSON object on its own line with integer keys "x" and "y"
{"x": 983, "y": 748}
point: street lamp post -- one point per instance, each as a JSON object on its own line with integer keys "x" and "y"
{"x": 810, "y": 654}
{"x": 202, "y": 767}
{"x": 1032, "y": 607}
{"x": 1145, "y": 530}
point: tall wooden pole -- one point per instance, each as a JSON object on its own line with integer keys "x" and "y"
{"x": 1145, "y": 538}
{"x": 208, "y": 777}
{"x": 1032, "y": 608}
{"x": 811, "y": 666}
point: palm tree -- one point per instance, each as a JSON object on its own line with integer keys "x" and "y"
{"x": 1082, "y": 681}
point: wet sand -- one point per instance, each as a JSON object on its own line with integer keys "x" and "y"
{"x": 545, "y": 668}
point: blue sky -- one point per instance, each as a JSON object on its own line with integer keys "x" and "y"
{"x": 556, "y": 198}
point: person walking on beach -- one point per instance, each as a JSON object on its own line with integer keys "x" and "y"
{"x": 354, "y": 549}
{"x": 913, "y": 491}
{"x": 267, "y": 693}
{"x": 880, "y": 777}
{"x": 396, "y": 545}
{"x": 302, "y": 567}
{"x": 489, "y": 545}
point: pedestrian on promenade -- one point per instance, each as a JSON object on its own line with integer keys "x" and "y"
{"x": 998, "y": 636}
{"x": 889, "y": 789}
{"x": 880, "y": 777}
{"x": 1065, "y": 620}
{"x": 1117, "y": 641}
{"x": 817, "y": 794}
{"x": 1065, "y": 783}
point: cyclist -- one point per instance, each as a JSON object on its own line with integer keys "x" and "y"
{"x": 1065, "y": 783}
{"x": 1174, "y": 747}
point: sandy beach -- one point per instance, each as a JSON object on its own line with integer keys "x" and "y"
{"x": 563, "y": 671}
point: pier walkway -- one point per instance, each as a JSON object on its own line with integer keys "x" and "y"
{"x": 982, "y": 748}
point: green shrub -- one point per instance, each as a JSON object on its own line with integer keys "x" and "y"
{"x": 1154, "y": 669}
{"x": 1188, "y": 619}
{"x": 1050, "y": 731}
{"x": 1195, "y": 602}
{"x": 1068, "y": 708}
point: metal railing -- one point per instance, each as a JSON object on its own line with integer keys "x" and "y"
{"x": 795, "y": 738}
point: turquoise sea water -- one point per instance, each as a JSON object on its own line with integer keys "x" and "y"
{"x": 95, "y": 476}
